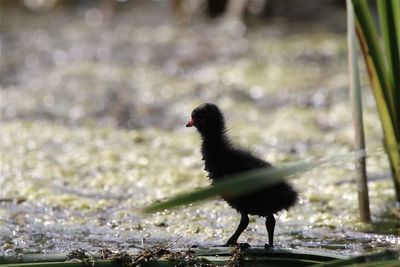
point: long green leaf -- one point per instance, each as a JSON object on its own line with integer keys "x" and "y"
{"x": 396, "y": 72}
{"x": 391, "y": 144}
{"x": 396, "y": 16}
{"x": 366, "y": 22}
{"x": 234, "y": 185}
{"x": 380, "y": 86}
{"x": 391, "y": 52}
{"x": 243, "y": 183}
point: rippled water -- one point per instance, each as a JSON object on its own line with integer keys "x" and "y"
{"x": 92, "y": 130}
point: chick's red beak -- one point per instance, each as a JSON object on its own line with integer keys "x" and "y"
{"x": 190, "y": 123}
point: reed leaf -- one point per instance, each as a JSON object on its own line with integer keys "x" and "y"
{"x": 234, "y": 185}
{"x": 364, "y": 19}
{"x": 247, "y": 182}
{"x": 396, "y": 15}
{"x": 386, "y": 96}
{"x": 391, "y": 52}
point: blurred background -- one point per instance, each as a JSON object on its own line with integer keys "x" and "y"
{"x": 94, "y": 100}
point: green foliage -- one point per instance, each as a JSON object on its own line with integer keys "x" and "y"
{"x": 246, "y": 182}
{"x": 234, "y": 185}
{"x": 383, "y": 65}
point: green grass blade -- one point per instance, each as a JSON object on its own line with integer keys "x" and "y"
{"x": 390, "y": 141}
{"x": 396, "y": 16}
{"x": 364, "y": 18}
{"x": 234, "y": 185}
{"x": 391, "y": 46}
{"x": 245, "y": 182}
{"x": 369, "y": 46}
{"x": 396, "y": 73}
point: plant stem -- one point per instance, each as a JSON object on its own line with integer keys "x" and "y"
{"x": 355, "y": 95}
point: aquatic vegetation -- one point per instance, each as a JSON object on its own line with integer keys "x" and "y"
{"x": 87, "y": 180}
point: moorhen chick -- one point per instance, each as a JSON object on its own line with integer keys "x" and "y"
{"x": 222, "y": 159}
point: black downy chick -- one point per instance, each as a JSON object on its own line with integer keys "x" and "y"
{"x": 223, "y": 159}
